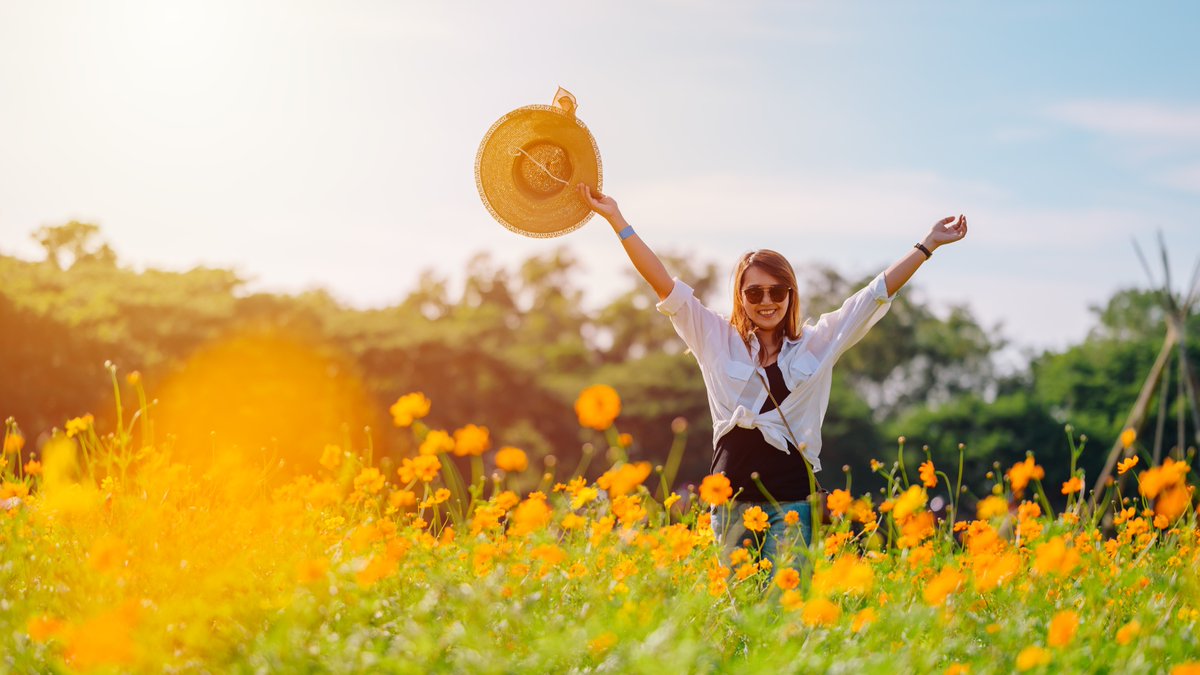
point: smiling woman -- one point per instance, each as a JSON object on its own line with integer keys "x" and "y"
{"x": 767, "y": 376}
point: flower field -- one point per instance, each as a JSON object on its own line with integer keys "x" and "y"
{"x": 117, "y": 555}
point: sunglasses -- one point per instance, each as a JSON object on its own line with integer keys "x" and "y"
{"x": 778, "y": 293}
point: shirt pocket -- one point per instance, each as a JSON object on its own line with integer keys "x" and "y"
{"x": 802, "y": 366}
{"x": 738, "y": 373}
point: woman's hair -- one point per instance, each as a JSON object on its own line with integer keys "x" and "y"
{"x": 777, "y": 266}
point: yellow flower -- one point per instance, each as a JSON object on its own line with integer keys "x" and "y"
{"x": 331, "y": 457}
{"x": 848, "y": 574}
{"x": 755, "y": 519}
{"x": 409, "y": 408}
{"x": 602, "y": 643}
{"x": 471, "y": 441}
{"x": 436, "y": 442}
{"x": 670, "y": 501}
{"x": 991, "y": 507}
{"x": 1126, "y": 464}
{"x": 1032, "y": 657}
{"x": 512, "y": 460}
{"x": 715, "y": 489}
{"x": 33, "y": 468}
{"x": 928, "y": 474}
{"x": 422, "y": 467}
{"x": 79, "y": 425}
{"x": 1128, "y": 437}
{"x": 958, "y": 669}
{"x": 791, "y": 517}
{"x": 1062, "y": 628}
{"x": 1075, "y": 484}
{"x": 876, "y": 465}
{"x": 597, "y": 407}
{"x": 791, "y": 600}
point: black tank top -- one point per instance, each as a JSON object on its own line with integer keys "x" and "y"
{"x": 741, "y": 452}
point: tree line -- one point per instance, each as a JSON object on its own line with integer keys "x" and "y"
{"x": 515, "y": 347}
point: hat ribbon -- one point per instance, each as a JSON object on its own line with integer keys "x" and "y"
{"x": 516, "y": 152}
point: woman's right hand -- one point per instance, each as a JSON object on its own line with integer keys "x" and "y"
{"x": 605, "y": 205}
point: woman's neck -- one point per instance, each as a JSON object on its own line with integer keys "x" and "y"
{"x": 768, "y": 343}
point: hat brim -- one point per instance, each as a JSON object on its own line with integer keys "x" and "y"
{"x": 550, "y": 208}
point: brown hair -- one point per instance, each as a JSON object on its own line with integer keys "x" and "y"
{"x": 777, "y": 266}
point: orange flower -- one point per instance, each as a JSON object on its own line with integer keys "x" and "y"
{"x": 991, "y": 507}
{"x": 1126, "y": 464}
{"x": 312, "y": 571}
{"x": 820, "y": 612}
{"x": 928, "y": 474}
{"x": 13, "y": 443}
{"x": 530, "y": 515}
{"x": 1128, "y": 632}
{"x": 787, "y": 579}
{"x": 331, "y": 457}
{"x": 791, "y": 517}
{"x": 908, "y": 503}
{"x": 1075, "y": 484}
{"x": 755, "y": 519}
{"x": 1062, "y": 628}
{"x": 624, "y": 479}
{"x": 511, "y": 459}
{"x": 1032, "y": 657}
{"x": 1022, "y": 472}
{"x": 864, "y": 618}
{"x": 1053, "y": 557}
{"x": 436, "y": 442}
{"x": 422, "y": 467}
{"x": 1128, "y": 437}
{"x": 471, "y": 441}
{"x": 597, "y": 407}
{"x": 33, "y": 468}
{"x": 946, "y": 582}
{"x": 369, "y": 480}
{"x": 409, "y": 408}
{"x": 839, "y": 502}
{"x": 715, "y": 489}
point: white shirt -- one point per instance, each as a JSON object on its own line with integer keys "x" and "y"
{"x": 736, "y": 394}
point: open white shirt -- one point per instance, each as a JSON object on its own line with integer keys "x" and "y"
{"x": 736, "y": 394}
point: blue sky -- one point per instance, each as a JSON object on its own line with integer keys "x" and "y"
{"x": 331, "y": 143}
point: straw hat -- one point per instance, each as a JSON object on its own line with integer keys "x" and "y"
{"x": 528, "y": 166}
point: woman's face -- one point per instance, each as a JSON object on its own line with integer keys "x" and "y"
{"x": 768, "y": 313}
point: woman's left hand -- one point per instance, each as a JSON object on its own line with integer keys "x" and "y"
{"x": 946, "y": 231}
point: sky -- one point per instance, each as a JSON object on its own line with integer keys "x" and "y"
{"x": 332, "y": 144}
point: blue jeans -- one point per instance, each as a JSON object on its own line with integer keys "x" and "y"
{"x": 729, "y": 527}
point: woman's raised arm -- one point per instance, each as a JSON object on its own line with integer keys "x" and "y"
{"x": 943, "y": 232}
{"x": 644, "y": 259}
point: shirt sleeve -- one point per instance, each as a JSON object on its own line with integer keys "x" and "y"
{"x": 699, "y": 326}
{"x": 839, "y": 330}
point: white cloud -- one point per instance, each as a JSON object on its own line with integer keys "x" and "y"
{"x": 1132, "y": 119}
{"x": 1186, "y": 178}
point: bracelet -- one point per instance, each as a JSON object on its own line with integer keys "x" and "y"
{"x": 921, "y": 247}
{"x": 626, "y": 233}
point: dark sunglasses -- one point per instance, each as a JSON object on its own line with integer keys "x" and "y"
{"x": 778, "y": 293}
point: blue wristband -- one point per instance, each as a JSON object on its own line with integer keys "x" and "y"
{"x": 626, "y": 233}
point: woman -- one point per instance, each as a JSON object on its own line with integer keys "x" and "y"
{"x": 763, "y": 343}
